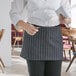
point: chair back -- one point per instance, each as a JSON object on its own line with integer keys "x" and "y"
{"x": 1, "y": 33}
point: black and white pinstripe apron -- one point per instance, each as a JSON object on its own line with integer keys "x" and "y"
{"x": 46, "y": 44}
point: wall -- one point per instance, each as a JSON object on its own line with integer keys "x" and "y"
{"x": 5, "y": 48}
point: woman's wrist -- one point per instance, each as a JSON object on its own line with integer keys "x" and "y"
{"x": 22, "y": 24}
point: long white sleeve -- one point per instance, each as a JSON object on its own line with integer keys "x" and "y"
{"x": 17, "y": 8}
{"x": 66, "y": 5}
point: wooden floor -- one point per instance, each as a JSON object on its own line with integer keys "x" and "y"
{"x": 19, "y": 68}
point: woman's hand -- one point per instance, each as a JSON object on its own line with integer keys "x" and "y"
{"x": 30, "y": 29}
{"x": 64, "y": 20}
{"x": 67, "y": 20}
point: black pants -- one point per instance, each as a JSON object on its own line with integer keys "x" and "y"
{"x": 44, "y": 68}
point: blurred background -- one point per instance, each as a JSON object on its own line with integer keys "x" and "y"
{"x": 11, "y": 64}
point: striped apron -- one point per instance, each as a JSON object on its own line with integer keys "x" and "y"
{"x": 46, "y": 44}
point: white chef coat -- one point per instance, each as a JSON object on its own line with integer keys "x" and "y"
{"x": 39, "y": 12}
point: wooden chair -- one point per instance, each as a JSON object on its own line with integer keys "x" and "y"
{"x": 66, "y": 47}
{"x": 73, "y": 40}
{"x": 17, "y": 37}
{"x": 1, "y": 33}
{"x": 1, "y": 61}
{"x": 2, "y": 65}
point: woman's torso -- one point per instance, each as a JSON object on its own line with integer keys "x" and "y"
{"x": 43, "y": 12}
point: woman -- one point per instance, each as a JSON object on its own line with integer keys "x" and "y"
{"x": 42, "y": 44}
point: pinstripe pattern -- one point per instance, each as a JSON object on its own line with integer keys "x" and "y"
{"x": 45, "y": 45}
